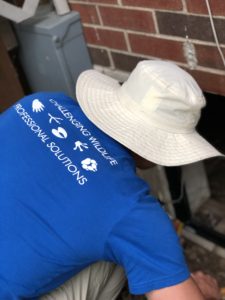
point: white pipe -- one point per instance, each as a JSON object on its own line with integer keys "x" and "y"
{"x": 61, "y": 7}
{"x": 18, "y": 14}
{"x": 30, "y": 6}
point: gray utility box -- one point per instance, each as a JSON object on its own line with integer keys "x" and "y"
{"x": 52, "y": 51}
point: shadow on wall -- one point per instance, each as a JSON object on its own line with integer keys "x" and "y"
{"x": 212, "y": 122}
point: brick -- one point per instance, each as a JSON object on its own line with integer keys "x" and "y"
{"x": 159, "y": 4}
{"x": 199, "y": 7}
{"x": 108, "y": 38}
{"x": 209, "y": 82}
{"x": 125, "y": 62}
{"x": 87, "y": 12}
{"x": 105, "y": 1}
{"x": 208, "y": 56}
{"x": 156, "y": 47}
{"x": 99, "y": 56}
{"x": 127, "y": 19}
{"x": 100, "y": 1}
{"x": 195, "y": 26}
{"x": 90, "y": 35}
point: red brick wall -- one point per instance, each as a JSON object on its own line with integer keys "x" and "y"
{"x": 119, "y": 33}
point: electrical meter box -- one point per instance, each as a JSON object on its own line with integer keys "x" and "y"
{"x": 52, "y": 51}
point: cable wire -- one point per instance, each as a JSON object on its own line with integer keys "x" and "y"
{"x": 214, "y": 31}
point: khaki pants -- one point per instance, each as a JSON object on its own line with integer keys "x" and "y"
{"x": 101, "y": 281}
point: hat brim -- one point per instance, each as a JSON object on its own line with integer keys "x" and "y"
{"x": 98, "y": 96}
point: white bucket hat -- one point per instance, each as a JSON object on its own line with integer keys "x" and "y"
{"x": 154, "y": 113}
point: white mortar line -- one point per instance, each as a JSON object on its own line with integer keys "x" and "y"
{"x": 183, "y": 12}
{"x": 91, "y": 3}
{"x": 122, "y": 51}
{"x": 127, "y": 42}
{"x": 111, "y": 59}
{"x": 99, "y": 15}
{"x": 144, "y": 56}
{"x": 149, "y": 9}
{"x": 155, "y": 22}
{"x": 184, "y": 6}
{"x": 155, "y": 35}
{"x": 114, "y": 73}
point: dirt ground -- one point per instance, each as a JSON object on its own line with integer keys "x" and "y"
{"x": 198, "y": 258}
{"x": 213, "y": 212}
{"x": 215, "y": 169}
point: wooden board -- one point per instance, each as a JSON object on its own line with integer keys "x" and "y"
{"x": 10, "y": 87}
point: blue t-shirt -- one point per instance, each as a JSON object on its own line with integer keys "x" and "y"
{"x": 69, "y": 196}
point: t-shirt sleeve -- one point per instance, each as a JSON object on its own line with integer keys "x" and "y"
{"x": 146, "y": 245}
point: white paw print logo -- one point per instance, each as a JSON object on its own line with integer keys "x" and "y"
{"x": 37, "y": 106}
{"x": 89, "y": 164}
{"x": 60, "y": 133}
